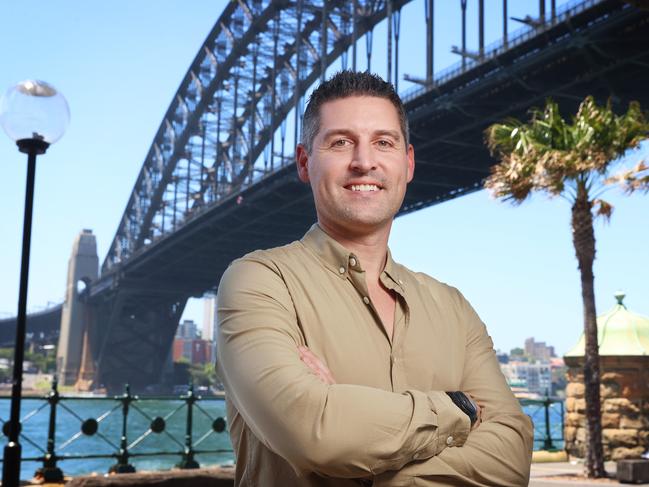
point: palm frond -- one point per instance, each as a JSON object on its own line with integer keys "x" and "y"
{"x": 602, "y": 209}
{"x": 547, "y": 152}
{"x": 634, "y": 179}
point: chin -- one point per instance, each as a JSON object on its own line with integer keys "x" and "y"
{"x": 356, "y": 219}
{"x": 368, "y": 222}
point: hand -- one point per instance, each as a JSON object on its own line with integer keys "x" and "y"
{"x": 316, "y": 365}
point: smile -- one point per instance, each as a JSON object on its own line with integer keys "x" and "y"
{"x": 364, "y": 187}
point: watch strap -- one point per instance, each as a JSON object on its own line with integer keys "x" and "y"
{"x": 464, "y": 404}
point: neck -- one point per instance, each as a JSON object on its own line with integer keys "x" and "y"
{"x": 370, "y": 247}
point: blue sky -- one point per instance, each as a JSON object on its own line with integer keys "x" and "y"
{"x": 119, "y": 65}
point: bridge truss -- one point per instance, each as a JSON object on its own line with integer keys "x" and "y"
{"x": 226, "y": 126}
{"x": 218, "y": 182}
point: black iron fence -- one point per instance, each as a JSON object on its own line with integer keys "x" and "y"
{"x": 548, "y": 417}
{"x": 182, "y": 408}
{"x": 186, "y": 441}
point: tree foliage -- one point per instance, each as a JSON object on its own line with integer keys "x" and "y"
{"x": 45, "y": 363}
{"x": 517, "y": 352}
{"x": 573, "y": 160}
{"x": 555, "y": 156}
{"x": 204, "y": 375}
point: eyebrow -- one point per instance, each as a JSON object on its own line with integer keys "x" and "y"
{"x": 333, "y": 132}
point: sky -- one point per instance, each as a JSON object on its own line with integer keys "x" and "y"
{"x": 119, "y": 65}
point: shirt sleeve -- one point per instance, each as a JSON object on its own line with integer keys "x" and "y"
{"x": 339, "y": 430}
{"x": 499, "y": 451}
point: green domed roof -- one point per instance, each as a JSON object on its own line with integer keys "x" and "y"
{"x": 619, "y": 333}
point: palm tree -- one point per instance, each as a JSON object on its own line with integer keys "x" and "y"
{"x": 635, "y": 179}
{"x": 571, "y": 160}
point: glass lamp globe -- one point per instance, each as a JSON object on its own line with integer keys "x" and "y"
{"x": 34, "y": 110}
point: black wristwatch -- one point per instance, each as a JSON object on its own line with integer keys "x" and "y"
{"x": 467, "y": 406}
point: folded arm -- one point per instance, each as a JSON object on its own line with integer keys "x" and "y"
{"x": 499, "y": 451}
{"x": 338, "y": 430}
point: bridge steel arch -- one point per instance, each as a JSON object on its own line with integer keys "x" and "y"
{"x": 224, "y": 131}
{"x": 216, "y": 182}
{"x": 218, "y": 135}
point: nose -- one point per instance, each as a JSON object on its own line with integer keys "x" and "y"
{"x": 362, "y": 158}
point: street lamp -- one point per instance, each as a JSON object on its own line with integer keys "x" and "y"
{"x": 34, "y": 114}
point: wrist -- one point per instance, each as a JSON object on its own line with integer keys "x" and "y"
{"x": 465, "y": 404}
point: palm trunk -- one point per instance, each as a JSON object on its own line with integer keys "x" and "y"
{"x": 583, "y": 238}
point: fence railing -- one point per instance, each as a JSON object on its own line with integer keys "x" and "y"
{"x": 185, "y": 446}
{"x": 547, "y": 414}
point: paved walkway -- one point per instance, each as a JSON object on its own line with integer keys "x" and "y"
{"x": 548, "y": 474}
{"x": 543, "y": 475}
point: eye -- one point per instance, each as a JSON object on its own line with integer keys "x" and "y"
{"x": 340, "y": 143}
{"x": 384, "y": 143}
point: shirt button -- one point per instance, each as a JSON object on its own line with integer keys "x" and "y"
{"x": 352, "y": 262}
{"x": 449, "y": 441}
{"x": 341, "y": 270}
{"x": 366, "y": 300}
{"x": 400, "y": 281}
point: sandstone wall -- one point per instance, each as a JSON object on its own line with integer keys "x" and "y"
{"x": 625, "y": 409}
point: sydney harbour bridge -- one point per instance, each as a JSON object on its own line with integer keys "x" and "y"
{"x": 219, "y": 180}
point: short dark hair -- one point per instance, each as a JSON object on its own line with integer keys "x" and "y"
{"x": 344, "y": 84}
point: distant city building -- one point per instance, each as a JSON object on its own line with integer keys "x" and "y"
{"x": 209, "y": 316}
{"x": 189, "y": 345}
{"x": 209, "y": 323}
{"x": 188, "y": 329}
{"x": 536, "y": 378}
{"x": 533, "y": 371}
{"x": 538, "y": 350}
{"x": 194, "y": 350}
{"x": 502, "y": 357}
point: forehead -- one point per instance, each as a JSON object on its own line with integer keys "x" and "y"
{"x": 359, "y": 113}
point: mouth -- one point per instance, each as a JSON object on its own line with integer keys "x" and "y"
{"x": 363, "y": 188}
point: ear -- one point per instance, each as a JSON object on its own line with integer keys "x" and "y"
{"x": 411, "y": 162}
{"x": 302, "y": 160}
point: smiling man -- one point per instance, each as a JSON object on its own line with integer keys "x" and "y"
{"x": 342, "y": 367}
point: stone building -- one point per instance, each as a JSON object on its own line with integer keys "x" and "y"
{"x": 623, "y": 339}
{"x": 538, "y": 350}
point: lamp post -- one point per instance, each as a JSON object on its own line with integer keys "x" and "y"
{"x": 34, "y": 115}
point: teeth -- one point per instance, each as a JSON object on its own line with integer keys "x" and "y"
{"x": 364, "y": 187}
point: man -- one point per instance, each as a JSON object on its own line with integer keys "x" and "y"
{"x": 336, "y": 360}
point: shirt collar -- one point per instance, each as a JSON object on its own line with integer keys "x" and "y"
{"x": 340, "y": 260}
{"x": 391, "y": 269}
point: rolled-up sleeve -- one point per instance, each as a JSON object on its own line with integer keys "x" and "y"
{"x": 499, "y": 451}
{"x": 338, "y": 430}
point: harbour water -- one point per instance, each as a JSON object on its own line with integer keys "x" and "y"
{"x": 70, "y": 441}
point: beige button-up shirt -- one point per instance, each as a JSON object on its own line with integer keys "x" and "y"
{"x": 387, "y": 420}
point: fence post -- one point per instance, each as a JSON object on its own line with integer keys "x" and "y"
{"x": 188, "y": 454}
{"x": 122, "y": 465}
{"x": 563, "y": 426}
{"x": 49, "y": 472}
{"x": 547, "y": 441}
